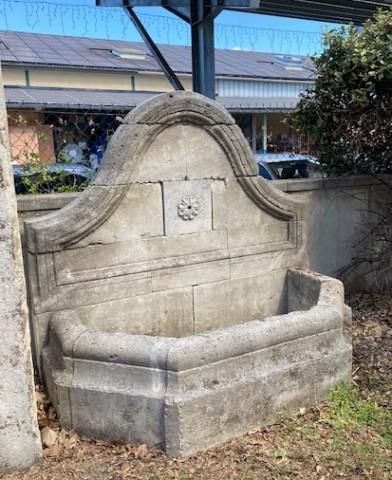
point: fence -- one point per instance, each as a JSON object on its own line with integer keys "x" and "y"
{"x": 59, "y": 150}
{"x": 56, "y": 150}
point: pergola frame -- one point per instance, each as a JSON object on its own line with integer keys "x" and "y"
{"x": 200, "y": 15}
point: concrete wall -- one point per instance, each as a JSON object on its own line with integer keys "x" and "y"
{"x": 336, "y": 213}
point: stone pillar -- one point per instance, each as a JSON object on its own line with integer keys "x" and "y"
{"x": 20, "y": 445}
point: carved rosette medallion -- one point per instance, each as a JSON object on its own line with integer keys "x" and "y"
{"x": 188, "y": 208}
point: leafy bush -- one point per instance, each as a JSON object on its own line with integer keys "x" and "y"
{"x": 35, "y": 177}
{"x": 348, "y": 112}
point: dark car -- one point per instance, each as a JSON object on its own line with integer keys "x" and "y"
{"x": 48, "y": 178}
{"x": 278, "y": 166}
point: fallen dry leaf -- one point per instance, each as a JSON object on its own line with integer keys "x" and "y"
{"x": 48, "y": 436}
{"x": 142, "y": 451}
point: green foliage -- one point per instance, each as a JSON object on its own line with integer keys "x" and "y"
{"x": 348, "y": 411}
{"x": 348, "y": 112}
{"x": 37, "y": 179}
{"x": 37, "y": 176}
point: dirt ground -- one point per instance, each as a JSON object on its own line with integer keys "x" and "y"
{"x": 319, "y": 443}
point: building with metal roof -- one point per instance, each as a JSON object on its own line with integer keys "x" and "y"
{"x": 44, "y": 74}
{"x": 200, "y": 15}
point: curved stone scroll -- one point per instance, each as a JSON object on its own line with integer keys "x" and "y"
{"x": 124, "y": 158}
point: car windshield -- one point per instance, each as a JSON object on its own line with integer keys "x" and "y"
{"x": 297, "y": 169}
{"x": 283, "y": 166}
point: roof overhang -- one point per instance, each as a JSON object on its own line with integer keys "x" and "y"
{"x": 109, "y": 100}
{"x": 336, "y": 11}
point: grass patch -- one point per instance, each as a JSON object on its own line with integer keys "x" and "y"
{"x": 348, "y": 411}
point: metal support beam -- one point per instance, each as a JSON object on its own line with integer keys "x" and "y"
{"x": 203, "y": 50}
{"x": 254, "y": 133}
{"x": 156, "y": 53}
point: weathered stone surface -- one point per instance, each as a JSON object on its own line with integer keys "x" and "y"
{"x": 138, "y": 215}
{"x": 205, "y": 156}
{"x": 20, "y": 445}
{"x": 160, "y": 313}
{"x": 165, "y": 158}
{"x": 227, "y": 303}
{"x": 233, "y": 208}
{"x": 189, "y": 393}
{"x": 159, "y": 282}
{"x": 187, "y": 207}
{"x": 190, "y": 275}
{"x": 167, "y": 109}
{"x": 252, "y": 265}
{"x": 113, "y": 246}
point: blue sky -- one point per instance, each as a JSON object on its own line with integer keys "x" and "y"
{"x": 232, "y": 29}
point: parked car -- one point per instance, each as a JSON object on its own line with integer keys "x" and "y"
{"x": 277, "y": 166}
{"x": 48, "y": 178}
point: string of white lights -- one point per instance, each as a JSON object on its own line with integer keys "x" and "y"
{"x": 84, "y": 20}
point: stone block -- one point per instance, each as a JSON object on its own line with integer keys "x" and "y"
{"x": 91, "y": 292}
{"x": 205, "y": 156}
{"x": 109, "y": 415}
{"x": 167, "y": 313}
{"x": 96, "y": 262}
{"x": 274, "y": 234}
{"x": 187, "y": 207}
{"x": 226, "y": 303}
{"x": 139, "y": 214}
{"x": 188, "y": 248}
{"x": 252, "y": 265}
{"x": 190, "y": 275}
{"x": 165, "y": 157}
{"x": 228, "y": 200}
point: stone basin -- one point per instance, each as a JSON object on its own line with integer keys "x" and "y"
{"x": 186, "y": 394}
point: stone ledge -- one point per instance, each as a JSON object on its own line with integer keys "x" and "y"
{"x": 51, "y": 201}
{"x": 326, "y": 183}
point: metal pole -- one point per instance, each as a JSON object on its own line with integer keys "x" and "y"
{"x": 203, "y": 51}
{"x": 264, "y": 130}
{"x": 156, "y": 53}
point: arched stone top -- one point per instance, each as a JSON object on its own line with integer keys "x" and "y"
{"x": 162, "y": 119}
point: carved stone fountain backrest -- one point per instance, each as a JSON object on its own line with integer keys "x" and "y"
{"x": 177, "y": 234}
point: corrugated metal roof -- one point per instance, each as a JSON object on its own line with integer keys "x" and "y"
{"x": 31, "y": 49}
{"x": 99, "y": 100}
